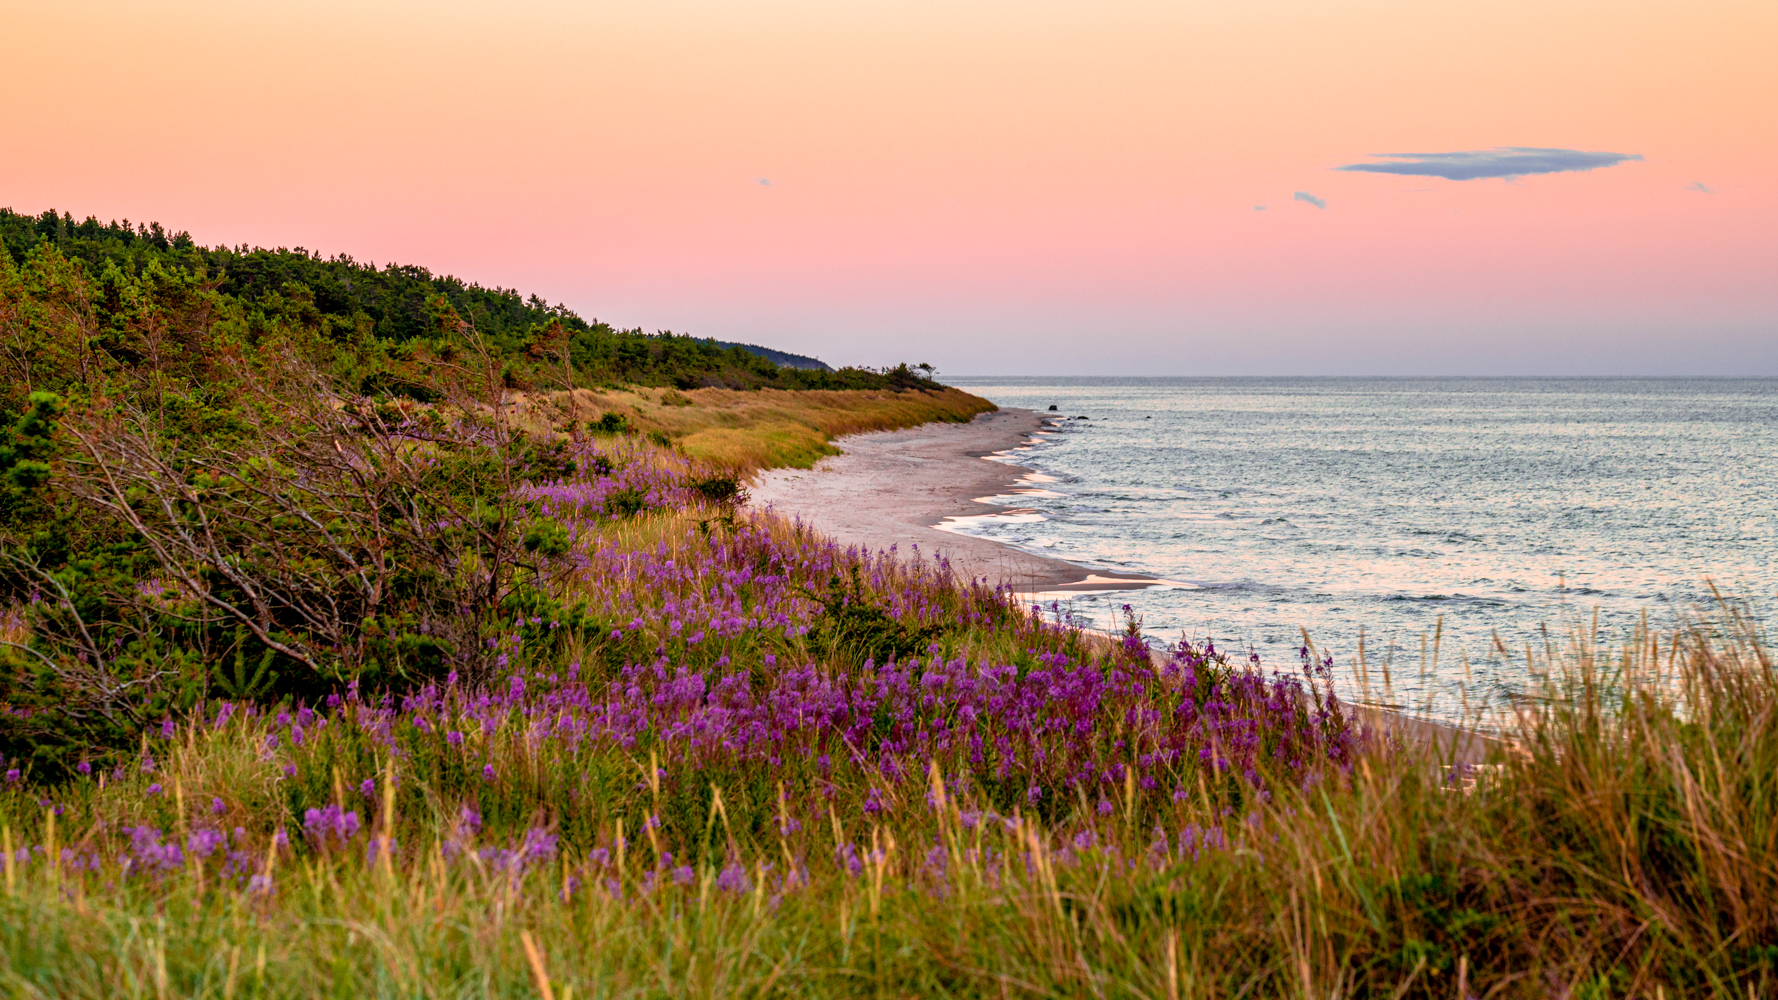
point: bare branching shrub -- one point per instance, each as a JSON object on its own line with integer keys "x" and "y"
{"x": 353, "y": 539}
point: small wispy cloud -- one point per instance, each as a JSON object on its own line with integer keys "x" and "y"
{"x": 1311, "y": 199}
{"x": 1259, "y": 208}
{"x": 1501, "y": 161}
{"x": 763, "y": 181}
{"x": 1700, "y": 187}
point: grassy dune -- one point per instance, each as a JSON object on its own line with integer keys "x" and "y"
{"x": 759, "y": 429}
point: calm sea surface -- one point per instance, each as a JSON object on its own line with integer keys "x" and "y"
{"x": 1498, "y": 506}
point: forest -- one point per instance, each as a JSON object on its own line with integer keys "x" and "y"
{"x": 123, "y": 296}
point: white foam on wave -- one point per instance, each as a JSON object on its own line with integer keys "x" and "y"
{"x": 1109, "y": 585}
{"x": 960, "y": 523}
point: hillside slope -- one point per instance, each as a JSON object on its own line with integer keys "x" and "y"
{"x": 86, "y": 300}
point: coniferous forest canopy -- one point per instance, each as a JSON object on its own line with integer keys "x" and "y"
{"x": 152, "y": 292}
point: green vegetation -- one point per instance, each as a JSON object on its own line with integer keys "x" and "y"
{"x": 262, "y": 475}
{"x": 91, "y": 299}
{"x": 1624, "y": 851}
{"x": 331, "y": 663}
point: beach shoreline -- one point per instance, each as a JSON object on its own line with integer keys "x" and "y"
{"x": 896, "y": 489}
{"x": 892, "y": 489}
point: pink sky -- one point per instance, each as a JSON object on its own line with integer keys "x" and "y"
{"x": 1040, "y": 188}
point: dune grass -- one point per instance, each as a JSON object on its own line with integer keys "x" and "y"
{"x": 741, "y": 431}
{"x": 493, "y": 842}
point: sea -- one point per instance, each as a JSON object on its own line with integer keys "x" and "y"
{"x": 1448, "y": 524}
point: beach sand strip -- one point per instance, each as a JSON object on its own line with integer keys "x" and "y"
{"x": 896, "y": 487}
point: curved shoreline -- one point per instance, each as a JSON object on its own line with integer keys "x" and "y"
{"x": 894, "y": 488}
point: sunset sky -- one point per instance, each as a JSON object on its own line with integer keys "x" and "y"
{"x": 995, "y": 188}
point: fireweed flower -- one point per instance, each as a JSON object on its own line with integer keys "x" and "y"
{"x": 847, "y": 855}
{"x": 1055, "y": 726}
{"x": 204, "y": 842}
{"x": 537, "y": 846}
{"x": 331, "y": 822}
{"x": 733, "y": 878}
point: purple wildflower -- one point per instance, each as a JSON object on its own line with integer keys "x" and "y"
{"x": 332, "y": 822}
{"x": 203, "y": 842}
{"x": 733, "y": 879}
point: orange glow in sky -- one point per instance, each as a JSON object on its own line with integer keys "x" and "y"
{"x": 1033, "y": 187}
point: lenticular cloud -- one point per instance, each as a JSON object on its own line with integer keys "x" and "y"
{"x": 1501, "y": 161}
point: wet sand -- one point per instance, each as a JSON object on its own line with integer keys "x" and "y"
{"x": 894, "y": 487}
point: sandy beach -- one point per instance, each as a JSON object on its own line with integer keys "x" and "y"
{"x": 896, "y": 487}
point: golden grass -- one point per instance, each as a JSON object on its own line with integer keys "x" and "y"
{"x": 743, "y": 431}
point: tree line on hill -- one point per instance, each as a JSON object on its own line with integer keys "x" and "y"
{"x": 83, "y": 304}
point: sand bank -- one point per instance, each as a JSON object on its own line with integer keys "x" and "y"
{"x": 895, "y": 487}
